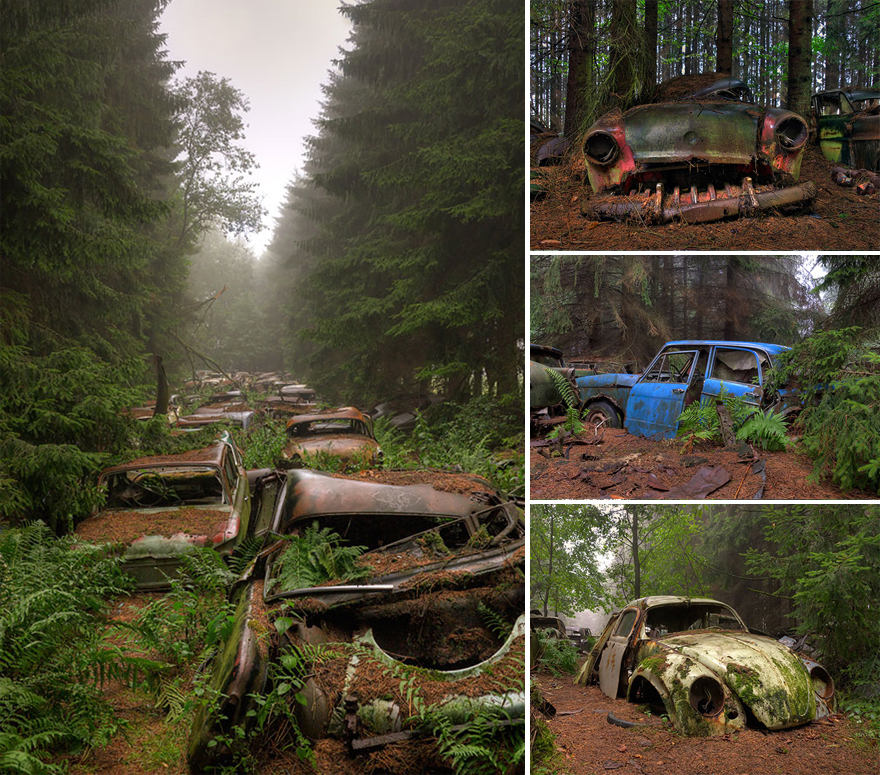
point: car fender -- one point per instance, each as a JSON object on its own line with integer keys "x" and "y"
{"x": 672, "y": 675}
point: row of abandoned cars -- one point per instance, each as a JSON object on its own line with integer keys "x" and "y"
{"x": 699, "y": 149}
{"x": 436, "y": 604}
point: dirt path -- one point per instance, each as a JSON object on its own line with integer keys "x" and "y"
{"x": 589, "y": 745}
{"x": 631, "y": 467}
{"x": 840, "y": 219}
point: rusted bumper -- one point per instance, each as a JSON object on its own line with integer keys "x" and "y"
{"x": 697, "y": 206}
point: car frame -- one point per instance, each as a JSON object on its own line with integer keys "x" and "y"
{"x": 848, "y": 126}
{"x": 710, "y": 676}
{"x": 485, "y": 537}
{"x": 683, "y": 372}
{"x": 720, "y": 154}
{"x": 543, "y": 392}
{"x": 170, "y": 505}
{"x": 353, "y": 443}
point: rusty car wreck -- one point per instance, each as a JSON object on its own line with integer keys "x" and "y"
{"x": 417, "y": 628}
{"x": 700, "y": 151}
{"x": 848, "y": 122}
{"x": 159, "y": 509}
{"x": 683, "y": 372}
{"x": 696, "y": 660}
{"x": 346, "y": 434}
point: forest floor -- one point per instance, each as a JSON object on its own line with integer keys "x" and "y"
{"x": 839, "y": 219}
{"x": 588, "y": 745}
{"x": 622, "y": 466}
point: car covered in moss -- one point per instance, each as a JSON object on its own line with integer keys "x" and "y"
{"x": 848, "y": 122}
{"x": 695, "y": 660}
{"x": 159, "y": 509}
{"x": 682, "y": 373}
{"x": 543, "y": 391}
{"x": 345, "y": 434}
{"x": 381, "y": 608}
{"x": 700, "y": 150}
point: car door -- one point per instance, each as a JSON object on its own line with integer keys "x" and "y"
{"x": 740, "y": 370}
{"x": 611, "y": 661}
{"x": 657, "y": 399}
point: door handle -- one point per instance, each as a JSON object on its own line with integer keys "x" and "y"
{"x": 678, "y": 390}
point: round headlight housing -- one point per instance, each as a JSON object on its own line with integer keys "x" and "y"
{"x": 601, "y": 147}
{"x": 707, "y": 696}
{"x": 792, "y": 133}
{"x": 822, "y": 683}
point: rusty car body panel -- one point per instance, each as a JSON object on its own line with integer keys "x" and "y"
{"x": 160, "y": 508}
{"x": 696, "y": 658}
{"x": 700, "y": 156}
{"x": 683, "y": 372}
{"x": 434, "y": 559}
{"x": 344, "y": 433}
{"x": 848, "y": 122}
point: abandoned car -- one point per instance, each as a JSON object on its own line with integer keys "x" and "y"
{"x": 543, "y": 392}
{"x": 848, "y": 121}
{"x": 682, "y": 373}
{"x": 346, "y": 434}
{"x": 159, "y": 509}
{"x": 695, "y": 659}
{"x": 428, "y": 620}
{"x": 701, "y": 151}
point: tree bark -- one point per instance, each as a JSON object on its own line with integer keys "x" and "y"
{"x": 581, "y": 50}
{"x": 623, "y": 54}
{"x": 651, "y": 42}
{"x": 800, "y": 56}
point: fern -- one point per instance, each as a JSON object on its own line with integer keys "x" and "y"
{"x": 554, "y": 654}
{"x": 765, "y": 429}
{"x": 315, "y": 557}
{"x": 494, "y": 621}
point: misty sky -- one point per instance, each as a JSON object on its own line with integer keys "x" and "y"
{"x": 278, "y": 52}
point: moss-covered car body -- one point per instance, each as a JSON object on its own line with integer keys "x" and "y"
{"x": 435, "y": 627}
{"x": 848, "y": 122}
{"x": 346, "y": 434}
{"x": 683, "y": 372}
{"x": 701, "y": 151}
{"x": 695, "y": 658}
{"x": 160, "y": 508}
{"x": 543, "y": 391}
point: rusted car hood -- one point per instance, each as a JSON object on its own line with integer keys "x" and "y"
{"x": 767, "y": 676}
{"x": 717, "y": 132}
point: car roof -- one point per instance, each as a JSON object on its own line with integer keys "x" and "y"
{"x": 859, "y": 93}
{"x": 343, "y": 413}
{"x": 644, "y": 603}
{"x": 543, "y": 348}
{"x": 773, "y": 349}
{"x": 212, "y": 455}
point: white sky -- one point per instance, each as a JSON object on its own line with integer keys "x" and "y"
{"x": 278, "y": 53}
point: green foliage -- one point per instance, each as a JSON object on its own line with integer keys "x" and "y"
{"x": 262, "y": 443}
{"x": 573, "y": 424}
{"x": 545, "y": 757}
{"x": 827, "y": 559}
{"x": 412, "y": 174}
{"x": 839, "y": 375}
{"x": 864, "y": 713}
{"x": 462, "y": 438}
{"x": 556, "y": 655}
{"x": 54, "y": 653}
{"x": 700, "y": 421}
{"x": 564, "y": 557}
{"x": 765, "y": 429}
{"x": 491, "y": 742}
{"x": 316, "y": 556}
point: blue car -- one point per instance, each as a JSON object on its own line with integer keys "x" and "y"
{"x": 683, "y": 372}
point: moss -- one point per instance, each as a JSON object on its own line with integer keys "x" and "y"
{"x": 480, "y": 539}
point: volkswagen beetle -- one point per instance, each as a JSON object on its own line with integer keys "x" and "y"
{"x": 697, "y": 660}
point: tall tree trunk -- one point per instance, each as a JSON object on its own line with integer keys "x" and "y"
{"x": 724, "y": 38}
{"x": 624, "y": 53}
{"x": 549, "y": 566}
{"x": 651, "y": 43}
{"x": 579, "y": 109}
{"x": 634, "y": 547}
{"x": 834, "y": 42}
{"x": 800, "y": 55}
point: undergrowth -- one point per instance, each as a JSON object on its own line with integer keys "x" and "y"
{"x": 55, "y": 652}
{"x": 555, "y": 654}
